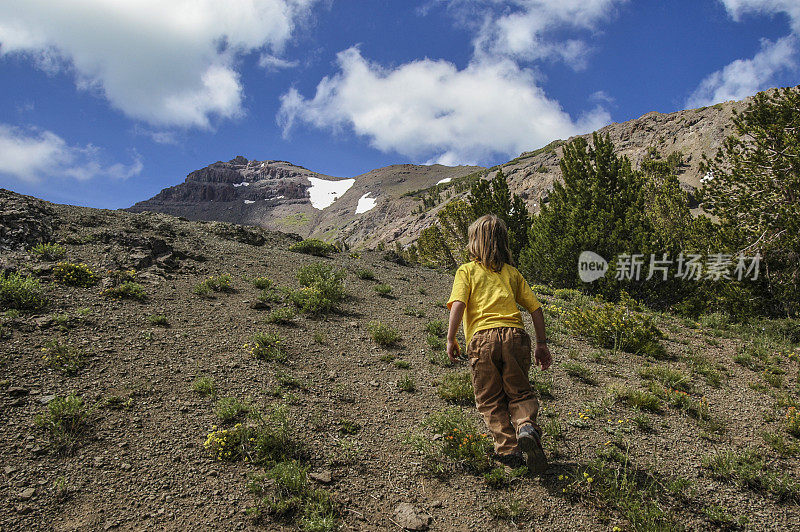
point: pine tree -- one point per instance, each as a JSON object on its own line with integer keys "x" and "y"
{"x": 494, "y": 197}
{"x": 753, "y": 186}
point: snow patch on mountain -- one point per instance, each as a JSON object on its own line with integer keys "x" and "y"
{"x": 365, "y": 203}
{"x": 324, "y": 192}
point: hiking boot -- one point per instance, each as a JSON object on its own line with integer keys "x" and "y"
{"x": 513, "y": 460}
{"x": 529, "y": 440}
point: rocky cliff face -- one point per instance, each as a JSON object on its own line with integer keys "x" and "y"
{"x": 373, "y": 207}
{"x": 278, "y": 195}
{"x": 692, "y": 133}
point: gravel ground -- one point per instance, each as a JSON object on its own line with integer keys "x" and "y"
{"x": 142, "y": 465}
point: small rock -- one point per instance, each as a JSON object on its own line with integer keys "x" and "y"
{"x": 374, "y": 383}
{"x": 125, "y": 466}
{"x": 8, "y": 470}
{"x": 332, "y": 375}
{"x": 436, "y": 504}
{"x": 27, "y": 493}
{"x": 353, "y": 324}
{"x": 43, "y": 322}
{"x": 259, "y": 305}
{"x": 46, "y": 399}
{"x": 411, "y": 518}
{"x": 18, "y": 391}
{"x": 323, "y": 477}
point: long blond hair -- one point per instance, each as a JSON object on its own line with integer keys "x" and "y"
{"x": 488, "y": 242}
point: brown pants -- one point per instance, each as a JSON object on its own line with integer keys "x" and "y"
{"x": 500, "y": 360}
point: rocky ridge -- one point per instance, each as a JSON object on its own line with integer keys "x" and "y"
{"x": 275, "y": 194}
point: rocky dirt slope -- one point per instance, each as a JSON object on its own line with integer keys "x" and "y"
{"x": 141, "y": 463}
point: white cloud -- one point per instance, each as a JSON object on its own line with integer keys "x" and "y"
{"x": 737, "y": 8}
{"x": 601, "y": 96}
{"x": 32, "y": 155}
{"x": 531, "y": 30}
{"x": 166, "y": 63}
{"x": 745, "y": 77}
{"x": 431, "y": 109}
{"x": 271, "y": 63}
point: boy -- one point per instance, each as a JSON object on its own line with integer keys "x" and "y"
{"x": 485, "y": 294}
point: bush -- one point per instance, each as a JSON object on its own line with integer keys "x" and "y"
{"x": 273, "y": 295}
{"x": 617, "y": 326}
{"x": 414, "y": 312}
{"x": 407, "y": 384}
{"x": 695, "y": 408}
{"x": 63, "y": 358}
{"x": 158, "y": 320}
{"x": 383, "y": 290}
{"x": 458, "y": 443}
{"x": 383, "y": 334}
{"x": 748, "y": 469}
{"x": 121, "y": 276}
{"x": 365, "y": 274}
{"x": 281, "y": 316}
{"x": 220, "y": 283}
{"x": 541, "y": 289}
{"x": 435, "y": 343}
{"x": 285, "y": 493}
{"x": 567, "y": 294}
{"x": 64, "y": 419}
{"x": 265, "y": 439}
{"x": 640, "y": 399}
{"x": 313, "y": 246}
{"x": 267, "y": 346}
{"x": 126, "y": 290}
{"x": 666, "y": 376}
{"x": 262, "y": 283}
{"x": 74, "y": 274}
{"x": 440, "y": 358}
{"x": 793, "y": 421}
{"x": 205, "y": 386}
{"x": 228, "y": 409}
{"x": 323, "y": 289}
{"x": 311, "y": 300}
{"x": 21, "y": 293}
{"x": 436, "y": 328}
{"x": 579, "y": 371}
{"x": 49, "y": 251}
{"x": 542, "y": 382}
{"x": 456, "y": 388}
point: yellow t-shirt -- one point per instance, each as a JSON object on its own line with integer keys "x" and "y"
{"x": 491, "y": 298}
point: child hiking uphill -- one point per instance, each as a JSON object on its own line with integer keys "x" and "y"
{"x": 485, "y": 294}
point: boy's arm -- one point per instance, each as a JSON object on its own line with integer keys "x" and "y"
{"x": 456, "y": 313}
{"x": 542, "y": 354}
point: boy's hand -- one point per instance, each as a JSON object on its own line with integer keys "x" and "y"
{"x": 542, "y": 356}
{"x": 453, "y": 351}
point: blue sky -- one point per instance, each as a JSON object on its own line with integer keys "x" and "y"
{"x": 106, "y": 103}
